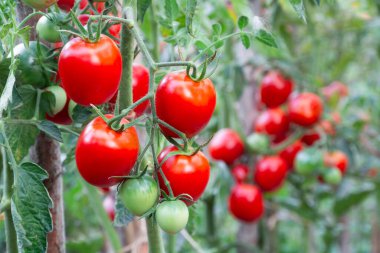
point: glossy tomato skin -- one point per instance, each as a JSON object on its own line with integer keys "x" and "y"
{"x": 140, "y": 87}
{"x": 184, "y": 104}
{"x": 258, "y": 143}
{"x": 305, "y": 109}
{"x": 186, "y": 174}
{"x": 172, "y": 216}
{"x": 308, "y": 161}
{"x": 38, "y": 4}
{"x": 310, "y": 138}
{"x": 90, "y": 72}
{"x": 109, "y": 206}
{"x": 270, "y": 173}
{"x": 246, "y": 202}
{"x": 336, "y": 159}
{"x": 47, "y": 30}
{"x": 275, "y": 89}
{"x": 272, "y": 122}
{"x": 240, "y": 173}
{"x": 289, "y": 153}
{"x": 62, "y": 117}
{"x": 102, "y": 152}
{"x": 67, "y": 5}
{"x": 226, "y": 146}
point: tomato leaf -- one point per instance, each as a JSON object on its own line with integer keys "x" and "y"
{"x": 171, "y": 10}
{"x": 262, "y": 34}
{"x": 30, "y": 208}
{"x": 191, "y": 5}
{"x": 245, "y": 40}
{"x": 217, "y": 29}
{"x": 123, "y": 215}
{"x": 50, "y": 129}
{"x": 242, "y": 22}
{"x": 299, "y": 7}
{"x": 142, "y": 7}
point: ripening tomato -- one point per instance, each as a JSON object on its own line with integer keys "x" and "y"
{"x": 240, "y": 173}
{"x": 327, "y": 127}
{"x": 139, "y": 194}
{"x": 67, "y": 5}
{"x": 308, "y": 161}
{"x": 310, "y": 138}
{"x": 275, "y": 89}
{"x": 60, "y": 98}
{"x": 290, "y": 152}
{"x": 172, "y": 216}
{"x": 246, "y": 202}
{"x": 226, "y": 146}
{"x": 140, "y": 87}
{"x": 109, "y": 206}
{"x": 332, "y": 176}
{"x": 270, "y": 173}
{"x": 39, "y": 4}
{"x": 62, "y": 117}
{"x": 305, "y": 109}
{"x": 336, "y": 159}
{"x": 273, "y": 122}
{"x": 186, "y": 174}
{"x": 90, "y": 72}
{"x": 258, "y": 143}
{"x": 184, "y": 104}
{"x": 47, "y": 29}
{"x": 102, "y": 152}
{"x": 334, "y": 89}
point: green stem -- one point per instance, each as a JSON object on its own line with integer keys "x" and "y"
{"x": 143, "y": 48}
{"x": 27, "y": 18}
{"x": 154, "y": 26}
{"x": 37, "y": 108}
{"x": 289, "y": 141}
{"x": 127, "y": 47}
{"x": 95, "y": 201}
{"x": 154, "y": 236}
{"x": 171, "y": 243}
{"x": 210, "y": 217}
{"x": 176, "y": 63}
{"x": 10, "y": 232}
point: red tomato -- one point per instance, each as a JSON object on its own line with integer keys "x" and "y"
{"x": 226, "y": 146}
{"x": 270, "y": 173}
{"x": 290, "y": 153}
{"x": 113, "y": 30}
{"x": 184, "y": 104}
{"x": 275, "y": 89}
{"x": 310, "y": 138}
{"x": 305, "y": 109}
{"x": 90, "y": 72}
{"x": 140, "y": 87}
{"x": 109, "y": 206}
{"x": 246, "y": 202}
{"x": 240, "y": 173}
{"x": 102, "y": 152}
{"x": 335, "y": 89}
{"x": 83, "y": 18}
{"x": 63, "y": 117}
{"x": 272, "y": 122}
{"x": 327, "y": 127}
{"x": 186, "y": 174}
{"x": 337, "y": 159}
{"x": 67, "y": 5}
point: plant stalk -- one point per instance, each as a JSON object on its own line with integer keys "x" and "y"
{"x": 154, "y": 236}
{"x": 210, "y": 217}
{"x": 171, "y": 243}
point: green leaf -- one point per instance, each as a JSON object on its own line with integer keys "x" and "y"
{"x": 245, "y": 40}
{"x": 142, "y": 7}
{"x": 299, "y": 7}
{"x": 6, "y": 95}
{"x": 343, "y": 204}
{"x": 171, "y": 9}
{"x": 30, "y": 208}
{"x": 81, "y": 113}
{"x": 242, "y": 22}
{"x": 50, "y": 129}
{"x": 191, "y": 5}
{"x": 217, "y": 29}
{"x": 123, "y": 216}
{"x": 266, "y": 38}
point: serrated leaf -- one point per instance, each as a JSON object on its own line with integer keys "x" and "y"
{"x": 142, "y": 7}
{"x": 242, "y": 22}
{"x": 50, "y": 129}
{"x": 266, "y": 38}
{"x": 245, "y": 40}
{"x": 123, "y": 216}
{"x": 30, "y": 208}
{"x": 191, "y": 5}
{"x": 171, "y": 9}
{"x": 299, "y": 7}
{"x": 345, "y": 203}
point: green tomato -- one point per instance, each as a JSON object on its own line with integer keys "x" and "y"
{"x": 258, "y": 143}
{"x": 139, "y": 195}
{"x": 29, "y": 70}
{"x": 172, "y": 216}
{"x": 308, "y": 161}
{"x": 332, "y": 176}
{"x": 47, "y": 30}
{"x": 72, "y": 106}
{"x": 60, "y": 98}
{"x": 39, "y": 4}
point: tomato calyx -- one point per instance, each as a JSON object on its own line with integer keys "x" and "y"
{"x": 184, "y": 196}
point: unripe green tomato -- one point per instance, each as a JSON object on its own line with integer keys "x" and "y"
{"x": 47, "y": 30}
{"x": 39, "y": 4}
{"x": 332, "y": 176}
{"x": 172, "y": 216}
{"x": 258, "y": 143}
{"x": 60, "y": 98}
{"x": 139, "y": 194}
{"x": 308, "y": 161}
{"x": 72, "y": 105}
